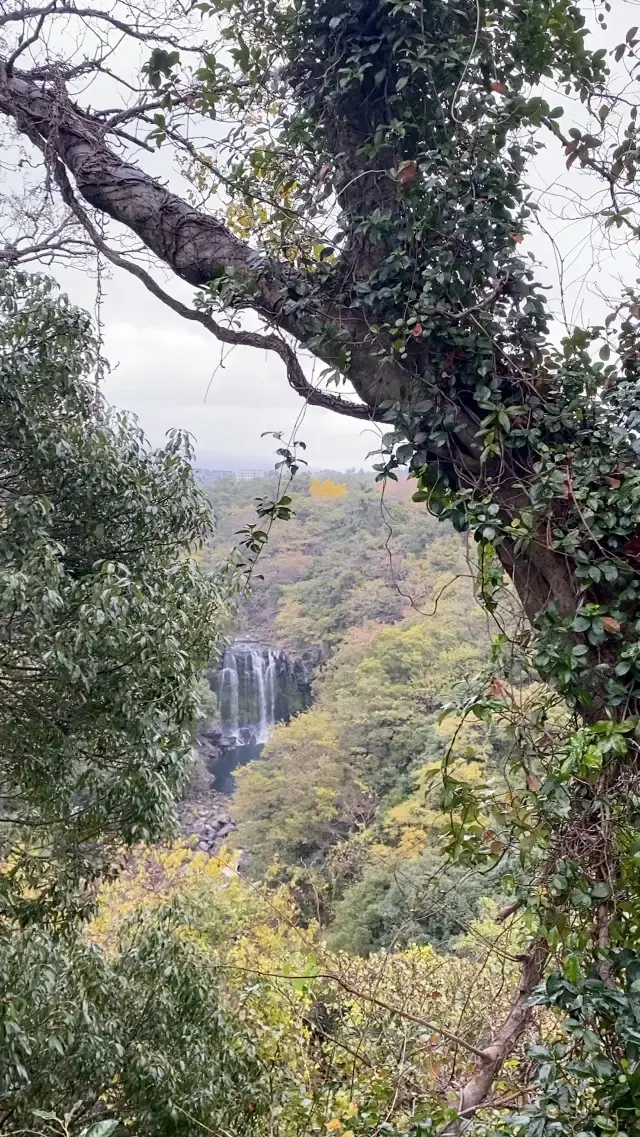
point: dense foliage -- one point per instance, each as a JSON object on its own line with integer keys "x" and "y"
{"x": 105, "y": 619}
{"x": 136, "y": 1035}
{"x": 106, "y": 623}
{"x": 338, "y": 1043}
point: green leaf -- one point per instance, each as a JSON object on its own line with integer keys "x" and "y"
{"x": 102, "y": 1128}
{"x": 571, "y": 967}
{"x": 581, "y": 623}
{"x": 579, "y": 898}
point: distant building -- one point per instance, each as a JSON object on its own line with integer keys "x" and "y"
{"x": 237, "y": 475}
{"x": 249, "y": 475}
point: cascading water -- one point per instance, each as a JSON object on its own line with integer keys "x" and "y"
{"x": 229, "y": 702}
{"x": 248, "y": 692}
{"x": 257, "y": 686}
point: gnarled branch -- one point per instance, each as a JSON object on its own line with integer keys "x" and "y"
{"x": 192, "y": 243}
{"x": 236, "y": 337}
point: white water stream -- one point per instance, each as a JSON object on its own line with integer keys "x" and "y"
{"x": 248, "y": 690}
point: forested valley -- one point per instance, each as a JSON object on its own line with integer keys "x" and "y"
{"x": 372, "y": 604}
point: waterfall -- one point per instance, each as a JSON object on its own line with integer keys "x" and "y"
{"x": 257, "y": 686}
{"x": 229, "y": 694}
{"x": 258, "y": 668}
{"x": 248, "y": 691}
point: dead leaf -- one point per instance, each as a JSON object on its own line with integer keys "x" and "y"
{"x": 499, "y": 87}
{"x": 611, "y": 624}
{"x": 533, "y": 783}
{"x": 517, "y": 237}
{"x": 613, "y": 482}
{"x": 407, "y": 174}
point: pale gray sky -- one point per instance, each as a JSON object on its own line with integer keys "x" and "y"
{"x": 168, "y": 372}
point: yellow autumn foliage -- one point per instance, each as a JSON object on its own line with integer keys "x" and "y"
{"x": 347, "y": 1039}
{"x": 326, "y": 489}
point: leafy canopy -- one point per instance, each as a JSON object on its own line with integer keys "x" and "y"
{"x": 105, "y": 618}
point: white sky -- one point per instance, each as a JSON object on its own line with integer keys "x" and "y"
{"x": 168, "y": 372}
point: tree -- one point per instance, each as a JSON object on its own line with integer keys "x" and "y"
{"x": 301, "y": 799}
{"x": 375, "y": 181}
{"x": 326, "y": 489}
{"x": 106, "y": 620}
{"x": 139, "y": 1036}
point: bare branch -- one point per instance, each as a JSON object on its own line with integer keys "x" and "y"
{"x": 55, "y": 9}
{"x": 21, "y": 14}
{"x": 25, "y": 44}
{"x": 478, "y": 1087}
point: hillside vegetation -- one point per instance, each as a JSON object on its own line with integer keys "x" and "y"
{"x": 345, "y": 801}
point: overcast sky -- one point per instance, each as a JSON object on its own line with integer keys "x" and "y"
{"x": 170, "y": 374}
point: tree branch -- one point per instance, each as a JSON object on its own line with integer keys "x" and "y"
{"x": 25, "y": 44}
{"x": 194, "y": 244}
{"x": 366, "y": 996}
{"x": 295, "y": 375}
{"x": 477, "y": 1088}
{"x": 56, "y": 9}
